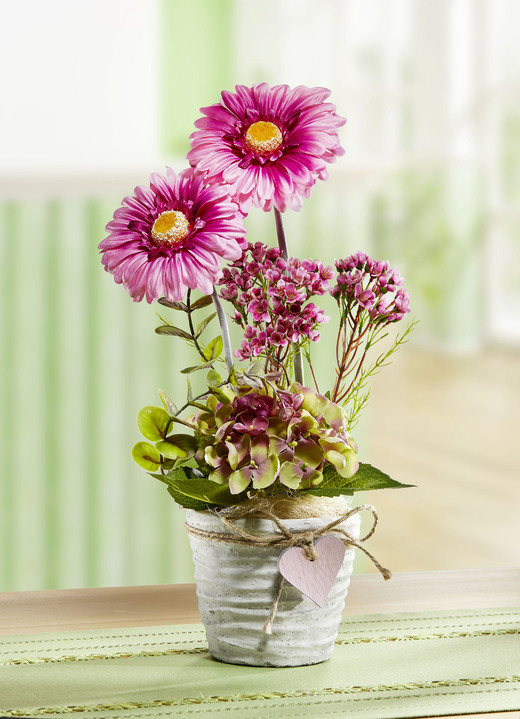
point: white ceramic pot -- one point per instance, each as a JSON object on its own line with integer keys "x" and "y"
{"x": 236, "y": 585}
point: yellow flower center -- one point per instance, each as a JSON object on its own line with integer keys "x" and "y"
{"x": 263, "y": 137}
{"x": 170, "y": 228}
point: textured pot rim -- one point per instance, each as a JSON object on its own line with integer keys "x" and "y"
{"x": 208, "y": 520}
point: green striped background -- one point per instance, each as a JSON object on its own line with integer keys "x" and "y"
{"x": 78, "y": 358}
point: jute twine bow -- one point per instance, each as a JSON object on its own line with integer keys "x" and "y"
{"x": 286, "y": 538}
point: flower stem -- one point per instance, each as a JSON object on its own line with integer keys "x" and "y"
{"x": 192, "y": 329}
{"x": 352, "y": 346}
{"x": 298, "y": 366}
{"x": 280, "y": 232}
{"x": 282, "y": 244}
{"x": 224, "y": 330}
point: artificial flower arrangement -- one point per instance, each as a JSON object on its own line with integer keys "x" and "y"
{"x": 262, "y": 429}
{"x": 257, "y": 428}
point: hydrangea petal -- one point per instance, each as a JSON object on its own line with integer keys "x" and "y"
{"x": 266, "y": 473}
{"x": 290, "y": 475}
{"x": 239, "y": 480}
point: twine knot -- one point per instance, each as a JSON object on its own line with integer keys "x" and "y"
{"x": 310, "y": 550}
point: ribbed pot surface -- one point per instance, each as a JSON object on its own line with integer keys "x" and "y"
{"x": 236, "y": 585}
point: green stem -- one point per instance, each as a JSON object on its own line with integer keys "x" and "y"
{"x": 193, "y": 403}
{"x": 298, "y": 366}
{"x": 192, "y": 329}
{"x": 224, "y": 330}
{"x": 341, "y": 370}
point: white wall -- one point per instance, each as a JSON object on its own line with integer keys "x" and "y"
{"x": 79, "y": 85}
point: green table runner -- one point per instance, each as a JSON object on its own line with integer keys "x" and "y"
{"x": 383, "y": 666}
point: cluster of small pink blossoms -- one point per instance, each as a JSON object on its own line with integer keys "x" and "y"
{"x": 370, "y": 285}
{"x": 271, "y": 300}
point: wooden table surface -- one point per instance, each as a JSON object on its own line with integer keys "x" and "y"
{"x": 101, "y": 608}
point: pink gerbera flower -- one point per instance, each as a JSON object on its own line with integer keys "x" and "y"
{"x": 269, "y": 144}
{"x": 171, "y": 236}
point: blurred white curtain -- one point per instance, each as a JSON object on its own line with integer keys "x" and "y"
{"x": 431, "y": 177}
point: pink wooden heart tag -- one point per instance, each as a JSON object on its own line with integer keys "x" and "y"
{"x": 313, "y": 578}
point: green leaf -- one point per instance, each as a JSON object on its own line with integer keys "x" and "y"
{"x": 172, "y": 305}
{"x": 331, "y": 477}
{"x": 214, "y": 348}
{"x": 328, "y": 491}
{"x": 187, "y": 502}
{"x": 233, "y": 376}
{"x": 182, "y": 421}
{"x": 152, "y": 422}
{"x": 146, "y": 456}
{"x": 222, "y": 396}
{"x": 367, "y": 477}
{"x": 186, "y": 489}
{"x": 251, "y": 381}
{"x": 177, "y": 446}
{"x": 201, "y": 302}
{"x": 202, "y": 325}
{"x": 189, "y": 393}
{"x": 359, "y": 393}
{"x": 175, "y": 331}
{"x": 167, "y": 402}
{"x": 255, "y": 367}
{"x": 198, "y": 405}
{"x": 194, "y": 368}
{"x": 213, "y": 379}
{"x": 332, "y": 484}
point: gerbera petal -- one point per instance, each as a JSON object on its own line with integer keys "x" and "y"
{"x": 144, "y": 194}
{"x": 152, "y": 263}
{"x": 218, "y": 112}
{"x": 233, "y": 102}
{"x": 233, "y": 171}
{"x": 136, "y": 283}
{"x": 278, "y": 98}
{"x": 154, "y": 279}
{"x": 159, "y": 184}
{"x": 194, "y": 274}
{"x": 306, "y": 123}
{"x": 264, "y": 186}
{"x": 174, "y": 288}
{"x": 127, "y": 266}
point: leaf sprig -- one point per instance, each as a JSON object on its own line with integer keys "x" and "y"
{"x": 209, "y": 353}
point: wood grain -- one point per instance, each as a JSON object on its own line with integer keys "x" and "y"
{"x": 61, "y": 610}
{"x": 111, "y": 607}
{"x": 449, "y": 425}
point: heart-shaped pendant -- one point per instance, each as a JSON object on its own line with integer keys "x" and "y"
{"x": 313, "y": 578}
